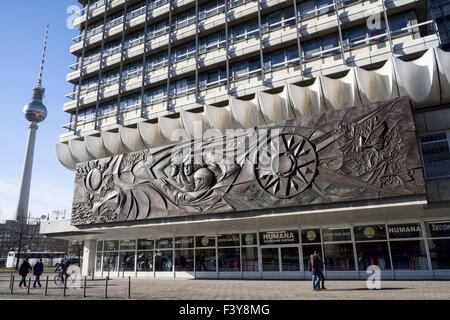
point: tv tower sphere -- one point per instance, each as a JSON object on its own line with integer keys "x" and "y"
{"x": 35, "y": 111}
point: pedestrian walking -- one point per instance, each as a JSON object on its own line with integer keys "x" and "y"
{"x": 321, "y": 269}
{"x": 25, "y": 267}
{"x": 38, "y": 269}
{"x": 313, "y": 266}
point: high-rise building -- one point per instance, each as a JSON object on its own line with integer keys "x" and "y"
{"x": 440, "y": 13}
{"x": 350, "y": 183}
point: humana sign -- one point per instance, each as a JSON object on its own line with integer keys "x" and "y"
{"x": 278, "y": 236}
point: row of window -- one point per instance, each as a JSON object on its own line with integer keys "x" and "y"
{"x": 279, "y": 250}
{"x": 327, "y": 45}
{"x": 239, "y": 32}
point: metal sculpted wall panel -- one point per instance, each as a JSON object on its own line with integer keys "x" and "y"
{"x": 367, "y": 152}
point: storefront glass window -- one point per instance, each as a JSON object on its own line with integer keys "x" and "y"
{"x": 205, "y": 241}
{"x": 184, "y": 242}
{"x": 110, "y": 261}
{"x": 205, "y": 260}
{"x": 249, "y": 239}
{"x": 127, "y": 245}
{"x": 440, "y": 253}
{"x": 111, "y": 246}
{"x": 370, "y": 233}
{"x": 289, "y": 259}
{"x": 228, "y": 240}
{"x": 409, "y": 255}
{"x": 250, "y": 259}
{"x": 99, "y": 246}
{"x": 98, "y": 262}
{"x": 229, "y": 259}
{"x": 439, "y": 229}
{"x": 339, "y": 257}
{"x": 164, "y": 260}
{"x": 145, "y": 244}
{"x": 270, "y": 259}
{"x": 311, "y": 236}
{"x": 336, "y": 234}
{"x": 144, "y": 261}
{"x": 184, "y": 260}
{"x": 373, "y": 253}
{"x": 164, "y": 243}
{"x": 439, "y": 248}
{"x": 126, "y": 261}
{"x": 308, "y": 251}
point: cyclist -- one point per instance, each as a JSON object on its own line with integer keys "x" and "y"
{"x": 64, "y": 265}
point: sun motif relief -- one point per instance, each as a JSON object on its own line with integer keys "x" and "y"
{"x": 286, "y": 166}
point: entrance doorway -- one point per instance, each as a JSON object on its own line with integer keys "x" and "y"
{"x": 280, "y": 260}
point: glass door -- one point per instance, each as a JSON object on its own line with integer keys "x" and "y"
{"x": 290, "y": 259}
{"x": 270, "y": 260}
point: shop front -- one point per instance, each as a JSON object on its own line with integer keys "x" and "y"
{"x": 414, "y": 249}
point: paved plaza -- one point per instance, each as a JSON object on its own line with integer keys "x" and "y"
{"x": 179, "y": 289}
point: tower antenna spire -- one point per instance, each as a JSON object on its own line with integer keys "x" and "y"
{"x": 43, "y": 58}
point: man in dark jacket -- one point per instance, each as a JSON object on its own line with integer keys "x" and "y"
{"x": 25, "y": 267}
{"x": 314, "y": 261}
{"x": 38, "y": 269}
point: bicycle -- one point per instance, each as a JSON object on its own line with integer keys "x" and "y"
{"x": 58, "y": 282}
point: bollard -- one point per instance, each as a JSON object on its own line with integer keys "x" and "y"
{"x": 106, "y": 287}
{"x": 93, "y": 273}
{"x": 84, "y": 288}
{"x": 46, "y": 287}
{"x": 123, "y": 273}
{"x": 29, "y": 285}
{"x": 12, "y": 284}
{"x": 108, "y": 273}
{"x": 65, "y": 286}
{"x": 129, "y": 287}
{"x": 10, "y": 280}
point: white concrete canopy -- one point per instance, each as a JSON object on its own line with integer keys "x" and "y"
{"x": 131, "y": 139}
{"x": 113, "y": 143}
{"x": 418, "y": 79}
{"x": 246, "y": 113}
{"x": 275, "y": 107}
{"x": 377, "y": 85}
{"x": 443, "y": 64}
{"x": 307, "y": 101}
{"x": 96, "y": 147}
{"x": 65, "y": 156}
{"x": 79, "y": 151}
{"x": 341, "y": 93}
{"x": 151, "y": 134}
{"x": 194, "y": 123}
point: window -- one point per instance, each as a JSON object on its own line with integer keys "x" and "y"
{"x": 439, "y": 244}
{"x": 228, "y": 240}
{"x": 205, "y": 260}
{"x": 229, "y": 259}
{"x": 250, "y": 258}
{"x": 339, "y": 257}
{"x": 354, "y": 37}
{"x": 409, "y": 255}
{"x": 205, "y": 241}
{"x": 397, "y": 23}
{"x": 435, "y": 151}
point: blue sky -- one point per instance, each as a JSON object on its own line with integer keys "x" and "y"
{"x": 22, "y": 28}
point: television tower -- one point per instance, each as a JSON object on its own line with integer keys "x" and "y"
{"x": 35, "y": 112}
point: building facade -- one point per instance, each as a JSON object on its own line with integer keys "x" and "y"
{"x": 148, "y": 69}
